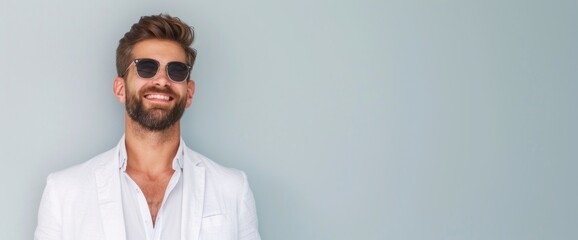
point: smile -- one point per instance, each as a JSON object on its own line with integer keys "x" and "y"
{"x": 158, "y": 97}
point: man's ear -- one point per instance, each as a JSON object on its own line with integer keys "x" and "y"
{"x": 118, "y": 89}
{"x": 190, "y": 92}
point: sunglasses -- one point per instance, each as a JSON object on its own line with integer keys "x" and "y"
{"x": 148, "y": 68}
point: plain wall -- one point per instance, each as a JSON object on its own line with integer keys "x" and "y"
{"x": 362, "y": 119}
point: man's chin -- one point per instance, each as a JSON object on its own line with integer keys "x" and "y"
{"x": 155, "y": 124}
{"x": 157, "y": 115}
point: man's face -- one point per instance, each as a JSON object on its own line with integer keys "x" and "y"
{"x": 157, "y": 103}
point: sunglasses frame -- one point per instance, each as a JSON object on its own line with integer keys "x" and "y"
{"x": 136, "y": 61}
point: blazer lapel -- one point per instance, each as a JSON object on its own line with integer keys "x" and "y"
{"x": 193, "y": 198}
{"x": 109, "y": 197}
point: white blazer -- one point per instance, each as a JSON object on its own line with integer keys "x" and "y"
{"x": 84, "y": 202}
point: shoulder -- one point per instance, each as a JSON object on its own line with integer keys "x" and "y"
{"x": 84, "y": 172}
{"x": 215, "y": 172}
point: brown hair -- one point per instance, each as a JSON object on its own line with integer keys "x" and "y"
{"x": 161, "y": 26}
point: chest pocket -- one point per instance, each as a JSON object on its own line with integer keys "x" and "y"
{"x": 217, "y": 226}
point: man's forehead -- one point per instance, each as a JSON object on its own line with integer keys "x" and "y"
{"x": 162, "y": 50}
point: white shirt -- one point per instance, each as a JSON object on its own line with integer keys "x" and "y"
{"x": 137, "y": 217}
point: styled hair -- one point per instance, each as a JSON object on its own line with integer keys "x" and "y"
{"x": 162, "y": 27}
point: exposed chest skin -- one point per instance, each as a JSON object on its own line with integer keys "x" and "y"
{"x": 153, "y": 189}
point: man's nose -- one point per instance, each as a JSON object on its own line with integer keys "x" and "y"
{"x": 161, "y": 78}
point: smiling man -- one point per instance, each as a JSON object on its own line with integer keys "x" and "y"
{"x": 151, "y": 185}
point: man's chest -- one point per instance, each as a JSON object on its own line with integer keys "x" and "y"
{"x": 153, "y": 191}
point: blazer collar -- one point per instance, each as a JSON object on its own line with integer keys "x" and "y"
{"x": 193, "y": 196}
{"x": 109, "y": 197}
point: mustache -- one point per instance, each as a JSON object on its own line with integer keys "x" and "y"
{"x": 165, "y": 90}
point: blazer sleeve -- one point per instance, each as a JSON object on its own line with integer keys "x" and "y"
{"x": 49, "y": 214}
{"x": 248, "y": 224}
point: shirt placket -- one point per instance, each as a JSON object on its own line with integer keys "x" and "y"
{"x": 144, "y": 211}
{"x": 160, "y": 216}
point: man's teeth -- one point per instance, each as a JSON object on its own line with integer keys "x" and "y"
{"x": 157, "y": 96}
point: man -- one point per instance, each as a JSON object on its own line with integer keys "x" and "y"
{"x": 151, "y": 185}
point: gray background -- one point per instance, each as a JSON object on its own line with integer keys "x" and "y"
{"x": 353, "y": 119}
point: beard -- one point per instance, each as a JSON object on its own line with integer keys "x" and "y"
{"x": 154, "y": 119}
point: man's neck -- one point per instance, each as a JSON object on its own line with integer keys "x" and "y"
{"x": 151, "y": 152}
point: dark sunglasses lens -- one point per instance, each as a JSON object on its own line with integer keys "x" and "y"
{"x": 178, "y": 71}
{"x": 147, "y": 68}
